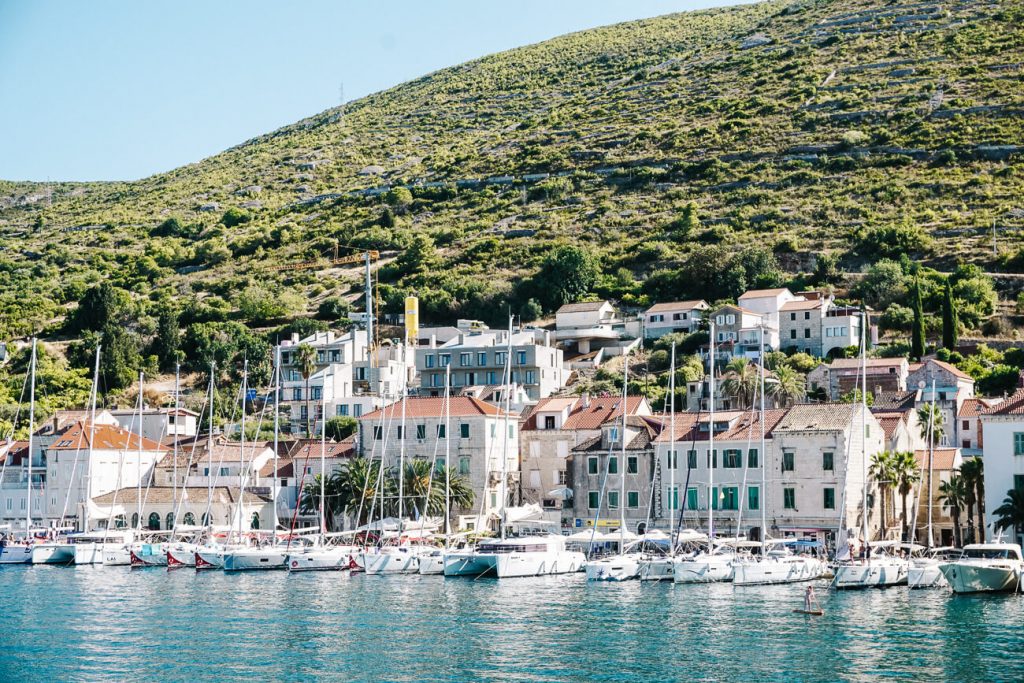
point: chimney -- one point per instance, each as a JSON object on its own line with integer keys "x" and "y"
{"x": 433, "y": 341}
{"x": 586, "y": 399}
{"x": 547, "y": 337}
{"x": 878, "y": 389}
{"x": 295, "y": 337}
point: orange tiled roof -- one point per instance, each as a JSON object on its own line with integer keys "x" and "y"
{"x": 943, "y": 458}
{"x": 420, "y": 407}
{"x": 106, "y": 437}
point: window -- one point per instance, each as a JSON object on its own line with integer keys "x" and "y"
{"x": 752, "y": 458}
{"x": 792, "y": 316}
{"x": 788, "y": 464}
{"x": 560, "y": 477}
{"x": 672, "y": 460}
{"x": 357, "y": 410}
{"x": 633, "y": 499}
{"x": 673, "y": 497}
{"x": 716, "y": 496}
{"x": 400, "y": 432}
{"x": 592, "y": 465}
{"x": 830, "y": 499}
{"x": 732, "y": 459}
{"x": 154, "y": 521}
{"x": 593, "y": 500}
{"x": 464, "y": 465}
{"x": 511, "y": 431}
{"x": 170, "y": 521}
{"x": 753, "y": 498}
{"x": 378, "y": 433}
{"x": 492, "y": 378}
{"x": 720, "y": 319}
{"x": 341, "y": 409}
{"x": 613, "y": 500}
{"x": 966, "y": 443}
{"x": 828, "y": 462}
{"x": 730, "y": 498}
{"x": 430, "y": 361}
{"x": 500, "y": 357}
{"x": 1018, "y": 485}
{"x": 465, "y": 359}
{"x": 529, "y": 377}
{"x": 315, "y": 393}
{"x": 657, "y": 318}
{"x": 613, "y": 464}
{"x": 549, "y": 422}
{"x": 223, "y": 471}
{"x": 730, "y": 319}
{"x": 442, "y": 431}
{"x": 792, "y": 334}
{"x": 464, "y": 431}
{"x": 807, "y": 315}
{"x": 445, "y": 359}
{"x": 789, "y": 499}
{"x": 1018, "y": 443}
{"x": 807, "y": 333}
{"x": 421, "y": 431}
{"x": 613, "y": 434}
{"x": 632, "y": 464}
{"x": 520, "y": 357}
{"x": 713, "y": 459}
{"x": 481, "y": 358}
{"x": 691, "y": 498}
{"x": 966, "y": 424}
{"x": 297, "y": 394}
{"x": 691, "y": 459}
{"x": 494, "y": 430}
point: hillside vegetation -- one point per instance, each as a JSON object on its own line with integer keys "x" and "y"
{"x": 695, "y": 154}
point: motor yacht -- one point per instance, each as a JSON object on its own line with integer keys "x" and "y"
{"x": 985, "y": 568}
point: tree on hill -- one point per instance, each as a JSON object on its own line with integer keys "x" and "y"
{"x": 565, "y": 276}
{"x": 917, "y": 338}
{"x": 167, "y": 342}
{"x": 950, "y": 319}
{"x": 101, "y": 306}
{"x": 341, "y": 427}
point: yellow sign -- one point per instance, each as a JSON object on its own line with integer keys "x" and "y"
{"x": 589, "y": 523}
{"x": 412, "y": 320}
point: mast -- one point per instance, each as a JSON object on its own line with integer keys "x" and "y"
{"x": 92, "y": 435}
{"x": 401, "y": 462}
{"x": 504, "y": 454}
{"x": 277, "y": 397}
{"x": 241, "y": 448}
{"x": 711, "y": 443}
{"x": 622, "y": 472}
{"x": 447, "y": 455}
{"x": 369, "y": 315}
{"x": 138, "y": 477}
{"x": 762, "y": 458}
{"x": 209, "y": 454}
{"x": 931, "y": 460}
{"x": 674, "y": 459}
{"x": 31, "y": 429}
{"x": 864, "y": 430}
{"x": 323, "y": 458}
{"x": 177, "y": 404}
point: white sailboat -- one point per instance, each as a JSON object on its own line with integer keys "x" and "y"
{"x": 183, "y": 552}
{"x": 624, "y": 565}
{"x": 716, "y": 563}
{"x": 432, "y": 562}
{"x": 986, "y": 568}
{"x": 775, "y": 563}
{"x": 12, "y": 552}
{"x": 923, "y": 571}
{"x": 880, "y": 567}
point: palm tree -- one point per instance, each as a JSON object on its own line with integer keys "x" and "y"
{"x": 881, "y": 470}
{"x": 906, "y": 474}
{"x": 356, "y": 484}
{"x": 740, "y": 381}
{"x": 968, "y": 473}
{"x": 973, "y": 472}
{"x": 952, "y": 497}
{"x": 305, "y": 355}
{"x": 1010, "y": 515}
{"x": 418, "y": 480}
{"x": 788, "y": 387}
{"x": 311, "y": 500}
{"x": 938, "y": 423}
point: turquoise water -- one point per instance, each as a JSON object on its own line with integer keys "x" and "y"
{"x": 111, "y": 623}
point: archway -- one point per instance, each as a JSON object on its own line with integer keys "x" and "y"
{"x": 135, "y": 520}
{"x": 255, "y": 524}
{"x": 189, "y": 519}
{"x": 154, "y": 521}
{"x": 170, "y": 521}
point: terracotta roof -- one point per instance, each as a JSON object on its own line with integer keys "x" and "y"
{"x": 648, "y": 430}
{"x": 887, "y": 401}
{"x": 677, "y": 306}
{"x": 16, "y": 451}
{"x": 801, "y": 305}
{"x": 582, "y": 307}
{"x": 819, "y": 417}
{"x": 285, "y": 468}
{"x": 165, "y": 494}
{"x": 310, "y": 448}
{"x": 230, "y": 451}
{"x": 890, "y": 422}
{"x": 600, "y": 411}
{"x": 737, "y": 308}
{"x": 743, "y": 425}
{"x": 943, "y": 459}
{"x": 1013, "y": 405}
{"x": 854, "y": 363}
{"x": 973, "y": 407}
{"x": 420, "y": 407}
{"x": 555, "y": 404}
{"x": 757, "y": 293}
{"x": 105, "y": 437}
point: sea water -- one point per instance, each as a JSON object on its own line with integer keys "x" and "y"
{"x": 112, "y": 623}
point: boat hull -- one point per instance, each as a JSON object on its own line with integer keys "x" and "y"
{"x": 432, "y": 564}
{"x": 873, "y": 575}
{"x": 16, "y": 554}
{"x": 658, "y": 569}
{"x": 703, "y": 570}
{"x": 925, "y": 576}
{"x": 771, "y": 571}
{"x": 53, "y": 553}
{"x": 181, "y": 555}
{"x": 255, "y": 559}
{"x": 618, "y": 568}
{"x": 148, "y": 555}
{"x": 209, "y": 558}
{"x": 88, "y": 553}
{"x": 465, "y": 563}
{"x": 320, "y": 560}
{"x": 973, "y": 578}
{"x": 116, "y": 556}
{"x": 392, "y": 561}
{"x": 513, "y": 565}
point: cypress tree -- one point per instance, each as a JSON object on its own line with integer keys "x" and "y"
{"x": 917, "y": 340}
{"x": 950, "y": 320}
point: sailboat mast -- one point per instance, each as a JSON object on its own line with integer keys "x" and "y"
{"x": 277, "y": 396}
{"x": 931, "y": 460}
{"x": 209, "y": 454}
{"x": 622, "y": 465}
{"x": 673, "y": 460}
{"x": 92, "y": 436}
{"x": 447, "y": 455}
{"x": 504, "y": 453}
{"x": 864, "y": 428}
{"x": 323, "y": 458}
{"x": 31, "y": 429}
{"x": 401, "y": 463}
{"x": 711, "y": 442}
{"x": 177, "y": 405}
{"x": 761, "y": 454}
{"x": 241, "y": 448}
{"x": 138, "y": 473}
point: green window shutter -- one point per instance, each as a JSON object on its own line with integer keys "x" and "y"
{"x": 714, "y": 498}
{"x": 752, "y": 458}
{"x": 633, "y": 499}
{"x": 592, "y": 500}
{"x": 464, "y": 430}
{"x": 753, "y": 502}
{"x": 827, "y": 461}
{"x": 592, "y": 465}
{"x": 691, "y": 459}
{"x": 613, "y": 500}
{"x": 691, "y": 499}
{"x": 789, "y": 499}
{"x": 613, "y": 464}
{"x": 830, "y": 499}
{"x": 1018, "y": 443}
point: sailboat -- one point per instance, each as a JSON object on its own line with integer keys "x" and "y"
{"x": 626, "y": 564}
{"x": 432, "y": 562}
{"x": 716, "y": 563}
{"x": 924, "y": 571}
{"x": 880, "y": 566}
{"x": 21, "y": 552}
{"x": 775, "y": 563}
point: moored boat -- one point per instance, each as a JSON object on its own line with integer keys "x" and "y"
{"x": 985, "y": 568}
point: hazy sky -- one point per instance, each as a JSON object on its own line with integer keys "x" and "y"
{"x": 105, "y": 90}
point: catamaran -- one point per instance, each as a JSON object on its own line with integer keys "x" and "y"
{"x": 986, "y": 568}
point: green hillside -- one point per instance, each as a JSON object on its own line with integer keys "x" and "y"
{"x": 689, "y": 155}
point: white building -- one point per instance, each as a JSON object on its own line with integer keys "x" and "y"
{"x": 590, "y": 331}
{"x": 479, "y": 358}
{"x": 674, "y": 316}
{"x": 1003, "y": 448}
{"x": 158, "y": 424}
{"x": 478, "y": 436}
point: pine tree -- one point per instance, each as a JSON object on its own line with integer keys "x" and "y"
{"x": 950, "y": 320}
{"x": 917, "y": 339}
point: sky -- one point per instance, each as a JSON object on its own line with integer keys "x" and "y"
{"x": 120, "y": 90}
